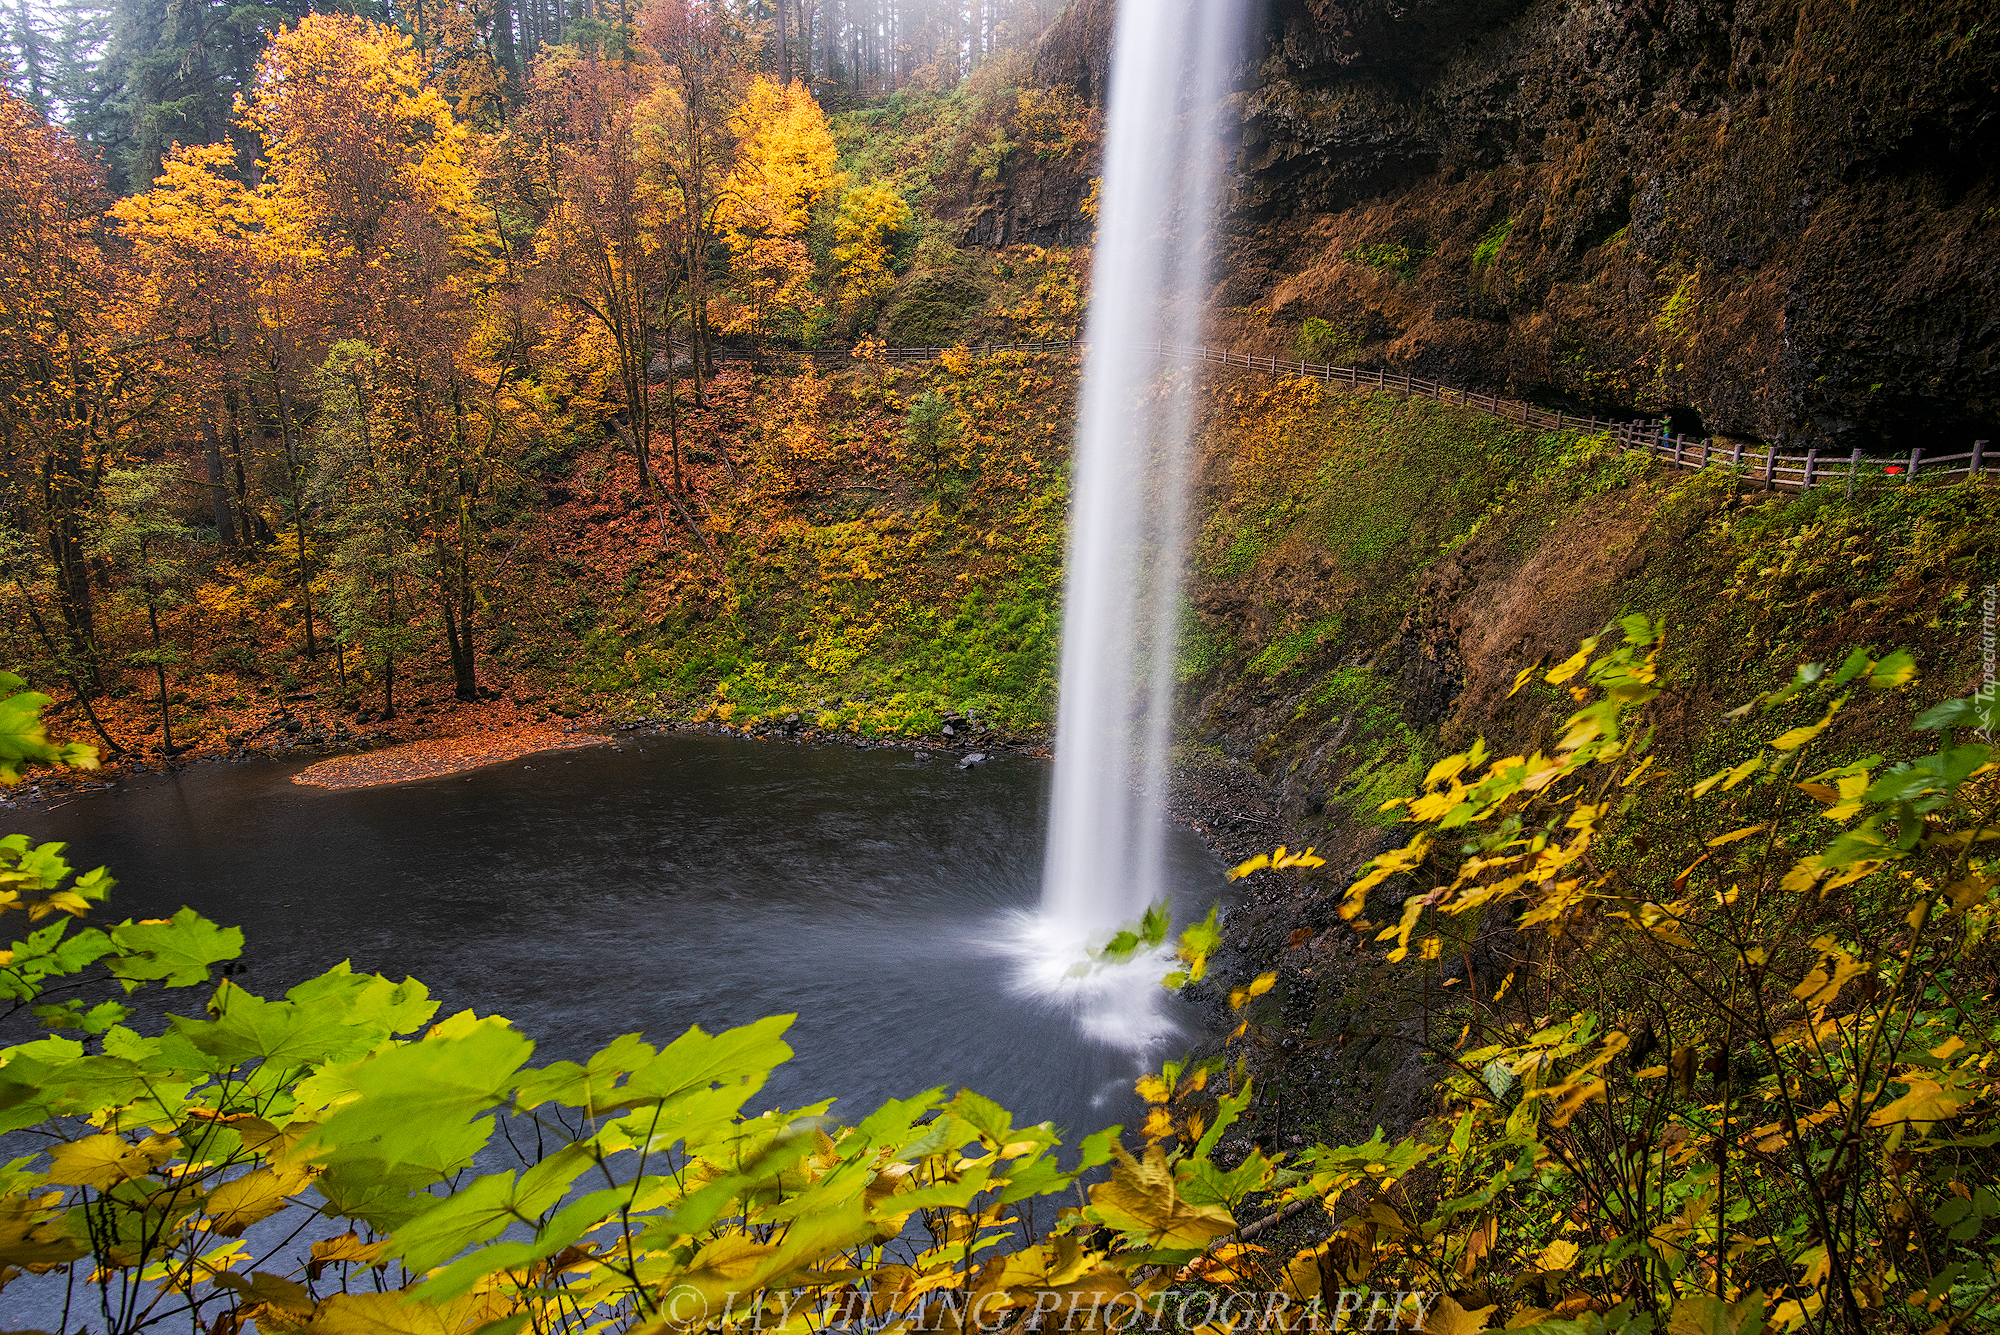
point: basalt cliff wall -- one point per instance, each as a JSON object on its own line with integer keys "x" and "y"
{"x": 1775, "y": 219}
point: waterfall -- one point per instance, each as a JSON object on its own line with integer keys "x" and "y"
{"x": 1170, "y": 65}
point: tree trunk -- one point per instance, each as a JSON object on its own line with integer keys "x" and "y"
{"x": 160, "y": 672}
{"x": 458, "y": 644}
{"x": 252, "y": 524}
{"x": 503, "y": 38}
{"x": 295, "y": 476}
{"x": 389, "y": 653}
{"x": 674, "y": 415}
{"x": 218, "y": 488}
{"x": 68, "y": 670}
{"x": 63, "y": 503}
{"x": 694, "y": 317}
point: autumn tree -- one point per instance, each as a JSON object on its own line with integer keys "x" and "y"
{"x": 23, "y": 575}
{"x": 448, "y": 431}
{"x": 872, "y": 218}
{"x": 202, "y": 282}
{"x": 705, "y": 55}
{"x": 376, "y": 562}
{"x": 784, "y": 166}
{"x": 367, "y": 212}
{"x": 71, "y": 383}
{"x": 602, "y": 248}
{"x": 467, "y": 50}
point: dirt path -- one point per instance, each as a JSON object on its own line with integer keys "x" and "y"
{"x": 433, "y": 756}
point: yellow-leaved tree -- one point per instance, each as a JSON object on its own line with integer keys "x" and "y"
{"x": 367, "y": 203}
{"x": 354, "y": 138}
{"x": 363, "y": 222}
{"x": 872, "y": 216}
{"x": 784, "y": 166}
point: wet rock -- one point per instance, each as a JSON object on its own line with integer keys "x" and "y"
{"x": 976, "y": 758}
{"x": 1472, "y": 187}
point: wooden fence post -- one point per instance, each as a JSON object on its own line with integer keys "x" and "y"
{"x": 1978, "y": 460}
{"x": 1680, "y": 442}
{"x": 1812, "y": 457}
{"x": 1853, "y": 467}
{"x": 1771, "y": 466}
{"x": 1916, "y": 457}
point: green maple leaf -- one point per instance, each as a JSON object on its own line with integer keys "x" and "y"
{"x": 176, "y": 951}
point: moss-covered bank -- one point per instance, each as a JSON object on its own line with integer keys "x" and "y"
{"x": 1372, "y": 576}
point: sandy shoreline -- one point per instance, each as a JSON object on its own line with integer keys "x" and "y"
{"x": 433, "y": 756}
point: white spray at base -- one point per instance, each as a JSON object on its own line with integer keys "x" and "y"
{"x": 1170, "y": 68}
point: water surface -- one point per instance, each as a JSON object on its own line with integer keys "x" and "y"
{"x": 675, "y": 880}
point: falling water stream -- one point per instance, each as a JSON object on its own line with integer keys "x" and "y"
{"x": 1170, "y": 65}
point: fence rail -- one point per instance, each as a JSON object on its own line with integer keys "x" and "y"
{"x": 1777, "y": 472}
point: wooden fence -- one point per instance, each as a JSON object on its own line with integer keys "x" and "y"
{"x": 1776, "y": 472}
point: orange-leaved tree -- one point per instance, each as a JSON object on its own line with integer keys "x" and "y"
{"x": 71, "y": 381}
{"x": 602, "y": 249}
{"x": 367, "y": 200}
{"x": 705, "y": 58}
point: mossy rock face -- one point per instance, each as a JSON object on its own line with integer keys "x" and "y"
{"x": 932, "y": 311}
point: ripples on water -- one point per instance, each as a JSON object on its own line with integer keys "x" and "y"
{"x": 676, "y": 880}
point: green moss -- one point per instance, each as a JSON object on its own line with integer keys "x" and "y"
{"x": 880, "y": 616}
{"x": 1678, "y": 308}
{"x": 1284, "y": 653}
{"x": 1392, "y": 770}
{"x": 1381, "y": 485}
{"x": 1324, "y": 342}
{"x": 931, "y": 310}
{"x": 1489, "y": 245}
{"x": 1204, "y": 647}
{"x": 1382, "y": 757}
{"x": 1348, "y": 689}
{"x": 1395, "y": 257}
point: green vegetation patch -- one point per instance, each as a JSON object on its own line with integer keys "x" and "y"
{"x": 1489, "y": 245}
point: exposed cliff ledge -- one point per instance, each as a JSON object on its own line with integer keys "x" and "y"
{"x": 1776, "y": 219}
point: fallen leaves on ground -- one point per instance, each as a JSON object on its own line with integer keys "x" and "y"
{"x": 439, "y": 755}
